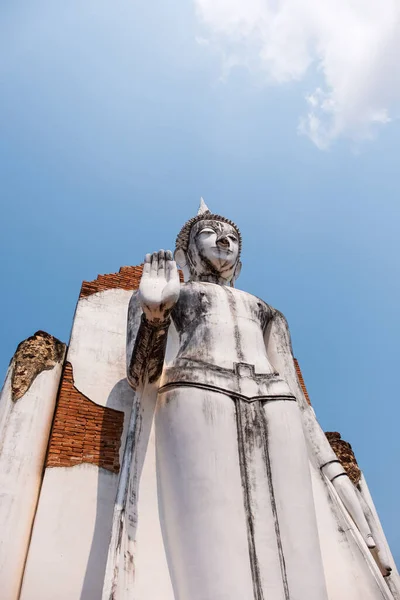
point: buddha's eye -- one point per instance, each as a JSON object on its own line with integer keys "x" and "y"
{"x": 207, "y": 230}
{"x": 233, "y": 238}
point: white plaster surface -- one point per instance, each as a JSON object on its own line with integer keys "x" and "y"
{"x": 265, "y": 538}
{"x": 137, "y": 565}
{"x": 393, "y": 580}
{"x": 68, "y": 550}
{"x": 201, "y": 497}
{"x": 350, "y": 570}
{"x": 97, "y": 349}
{"x": 24, "y": 431}
{"x": 6, "y": 402}
{"x": 151, "y": 574}
{"x": 66, "y": 559}
{"x": 294, "y": 500}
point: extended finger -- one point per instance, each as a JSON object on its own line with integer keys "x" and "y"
{"x": 161, "y": 263}
{"x": 147, "y": 264}
{"x": 154, "y": 264}
{"x": 172, "y": 270}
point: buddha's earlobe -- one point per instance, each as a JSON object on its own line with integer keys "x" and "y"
{"x": 180, "y": 258}
{"x": 183, "y": 263}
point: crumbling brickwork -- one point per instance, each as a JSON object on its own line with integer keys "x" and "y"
{"x": 38, "y": 353}
{"x": 128, "y": 278}
{"x": 345, "y": 454}
{"x": 83, "y": 432}
{"x": 301, "y": 381}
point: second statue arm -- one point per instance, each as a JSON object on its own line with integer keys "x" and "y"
{"x": 279, "y": 349}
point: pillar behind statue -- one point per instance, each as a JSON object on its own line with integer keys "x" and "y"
{"x": 27, "y": 406}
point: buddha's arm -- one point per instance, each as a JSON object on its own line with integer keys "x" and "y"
{"x": 149, "y": 318}
{"x": 280, "y": 354}
{"x": 146, "y": 344}
{"x": 279, "y": 350}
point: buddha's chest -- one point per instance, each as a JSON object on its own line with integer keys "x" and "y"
{"x": 202, "y": 302}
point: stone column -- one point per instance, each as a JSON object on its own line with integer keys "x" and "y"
{"x": 27, "y": 406}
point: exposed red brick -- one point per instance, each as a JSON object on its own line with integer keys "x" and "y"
{"x": 83, "y": 432}
{"x": 301, "y": 381}
{"x": 128, "y": 278}
{"x": 345, "y": 454}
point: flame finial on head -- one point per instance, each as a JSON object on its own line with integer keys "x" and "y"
{"x": 203, "y": 208}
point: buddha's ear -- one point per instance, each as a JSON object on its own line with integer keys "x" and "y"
{"x": 180, "y": 258}
{"x": 182, "y": 262}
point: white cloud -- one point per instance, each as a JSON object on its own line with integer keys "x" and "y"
{"x": 354, "y": 46}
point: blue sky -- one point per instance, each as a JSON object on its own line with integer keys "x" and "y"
{"x": 116, "y": 117}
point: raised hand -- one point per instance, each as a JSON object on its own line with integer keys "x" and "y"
{"x": 159, "y": 287}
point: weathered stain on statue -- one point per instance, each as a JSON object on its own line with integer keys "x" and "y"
{"x": 244, "y": 459}
{"x": 186, "y": 314}
{"x": 209, "y": 408}
{"x": 148, "y": 352}
{"x": 233, "y": 310}
{"x": 263, "y": 417}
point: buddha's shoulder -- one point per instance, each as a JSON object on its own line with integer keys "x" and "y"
{"x": 256, "y": 300}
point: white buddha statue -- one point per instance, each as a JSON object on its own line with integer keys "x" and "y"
{"x": 234, "y": 435}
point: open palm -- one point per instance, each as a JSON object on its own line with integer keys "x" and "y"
{"x": 159, "y": 286}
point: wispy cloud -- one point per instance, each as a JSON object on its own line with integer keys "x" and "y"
{"x": 353, "y": 45}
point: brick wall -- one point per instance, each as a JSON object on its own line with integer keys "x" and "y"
{"x": 83, "y": 432}
{"x": 345, "y": 454}
{"x": 301, "y": 381}
{"x": 128, "y": 278}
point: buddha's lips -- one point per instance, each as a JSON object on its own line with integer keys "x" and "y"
{"x": 226, "y": 250}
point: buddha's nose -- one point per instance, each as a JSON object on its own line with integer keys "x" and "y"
{"x": 223, "y": 241}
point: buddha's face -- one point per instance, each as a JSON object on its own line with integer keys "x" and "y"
{"x": 214, "y": 248}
